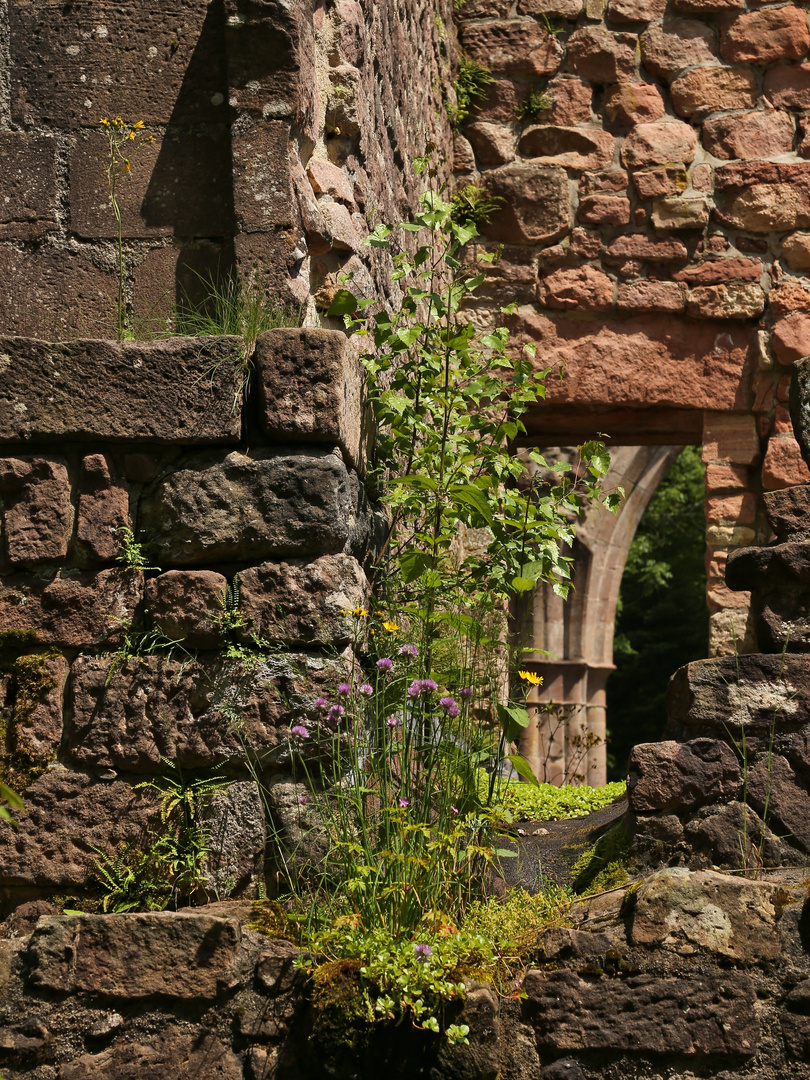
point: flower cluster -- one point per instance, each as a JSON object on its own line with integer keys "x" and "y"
{"x": 422, "y": 686}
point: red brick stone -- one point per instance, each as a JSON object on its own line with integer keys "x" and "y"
{"x": 796, "y": 251}
{"x": 646, "y": 248}
{"x": 783, "y": 465}
{"x": 103, "y": 509}
{"x": 572, "y": 148}
{"x": 682, "y": 44}
{"x": 486, "y": 9}
{"x": 791, "y": 338}
{"x": 494, "y": 144}
{"x": 600, "y": 56}
{"x": 731, "y": 509}
{"x": 262, "y": 185}
{"x": 647, "y": 295}
{"x": 725, "y": 478}
{"x": 653, "y": 183}
{"x": 659, "y": 144}
{"x": 633, "y": 11}
{"x": 604, "y": 210}
{"x": 72, "y": 64}
{"x": 463, "y": 156}
{"x": 791, "y": 295}
{"x": 689, "y": 365}
{"x": 750, "y": 135}
{"x": 717, "y": 271}
{"x": 675, "y": 212}
{"x": 729, "y": 439}
{"x": 763, "y": 197}
{"x": 513, "y": 47}
{"x": 37, "y": 515}
{"x": 536, "y": 204}
{"x": 707, "y": 90}
{"x": 628, "y": 104}
{"x": 788, "y": 86}
{"x": 725, "y": 302}
{"x": 763, "y": 391}
{"x": 702, "y": 178}
{"x": 583, "y": 288}
{"x": 586, "y": 243}
{"x": 761, "y": 37}
{"x": 501, "y": 101}
{"x": 782, "y": 424}
{"x": 328, "y": 179}
{"x": 570, "y": 101}
{"x": 720, "y": 598}
{"x": 610, "y": 180}
{"x": 562, "y": 9}
{"x": 28, "y": 168}
{"x": 708, "y": 7}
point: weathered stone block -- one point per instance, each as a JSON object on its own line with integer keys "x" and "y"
{"x": 659, "y": 144}
{"x": 71, "y": 610}
{"x": 750, "y": 135}
{"x": 513, "y": 47}
{"x": 788, "y": 512}
{"x": 731, "y": 440}
{"x": 653, "y": 183}
{"x": 572, "y": 148}
{"x": 641, "y": 296}
{"x": 711, "y": 89}
{"x": 536, "y": 204}
{"x": 783, "y": 465}
{"x": 716, "y": 913}
{"x": 73, "y": 65}
{"x": 773, "y": 783}
{"x": 103, "y": 509}
{"x": 234, "y": 820}
{"x": 604, "y": 210}
{"x": 27, "y": 165}
{"x": 36, "y": 720}
{"x": 169, "y": 954}
{"x": 677, "y": 212}
{"x": 681, "y": 44}
{"x": 788, "y": 86}
{"x": 730, "y": 301}
{"x": 180, "y": 390}
{"x": 311, "y": 389}
{"x": 796, "y": 251}
{"x": 37, "y": 514}
{"x": 184, "y": 606}
{"x": 328, "y": 179}
{"x": 302, "y": 603}
{"x": 778, "y": 566}
{"x": 240, "y": 509}
{"x": 631, "y": 11}
{"x": 185, "y": 1056}
{"x": 66, "y": 816}
{"x": 761, "y": 37}
{"x": 699, "y": 1016}
{"x": 262, "y": 185}
{"x": 679, "y": 777}
{"x": 570, "y": 101}
{"x": 493, "y": 144}
{"x": 583, "y": 288}
{"x": 645, "y": 249}
{"x": 56, "y": 294}
{"x": 718, "y": 271}
{"x": 600, "y": 56}
{"x": 630, "y": 104}
{"x": 764, "y": 197}
{"x": 783, "y": 622}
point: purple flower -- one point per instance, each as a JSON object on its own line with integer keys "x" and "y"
{"x": 409, "y": 650}
{"x": 448, "y": 703}
{"x": 421, "y": 686}
{"x": 454, "y": 809}
{"x": 465, "y": 691}
{"x": 453, "y": 710}
{"x": 366, "y": 689}
{"x": 335, "y": 714}
{"x": 386, "y": 665}
{"x": 344, "y": 688}
{"x": 404, "y": 804}
{"x": 321, "y": 703}
{"x": 302, "y": 800}
{"x": 300, "y": 731}
{"x": 422, "y": 952}
{"x": 392, "y": 721}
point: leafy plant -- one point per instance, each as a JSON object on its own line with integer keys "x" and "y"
{"x": 547, "y": 802}
{"x": 471, "y": 84}
{"x": 11, "y": 799}
{"x": 130, "y": 552}
{"x": 536, "y": 102}
{"x": 122, "y": 139}
{"x": 473, "y": 205}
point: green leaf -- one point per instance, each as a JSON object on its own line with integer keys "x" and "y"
{"x": 343, "y": 303}
{"x": 473, "y": 497}
{"x": 523, "y": 768}
{"x": 513, "y": 720}
{"x": 522, "y": 584}
{"x": 505, "y": 853}
{"x": 413, "y": 564}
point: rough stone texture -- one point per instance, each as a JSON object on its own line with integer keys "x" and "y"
{"x": 37, "y": 515}
{"x": 584, "y": 289}
{"x": 800, "y": 405}
{"x": 725, "y": 302}
{"x": 714, "y": 912}
{"x": 187, "y": 1057}
{"x": 28, "y": 168}
{"x": 788, "y": 87}
{"x": 536, "y": 204}
{"x": 776, "y": 566}
{"x": 652, "y": 183}
{"x": 676, "y": 777}
{"x": 512, "y": 47}
{"x": 302, "y": 603}
{"x": 645, "y": 1014}
{"x": 240, "y": 508}
{"x": 791, "y": 338}
{"x": 310, "y": 389}
{"x": 66, "y": 815}
{"x": 764, "y": 197}
{"x": 645, "y": 249}
{"x": 175, "y": 391}
{"x": 572, "y": 148}
{"x": 775, "y": 784}
{"x": 783, "y": 465}
{"x": 677, "y": 212}
{"x": 749, "y": 135}
{"x": 184, "y": 606}
{"x": 234, "y": 819}
{"x": 796, "y": 251}
{"x": 493, "y": 144}
{"x": 658, "y": 144}
{"x": 34, "y": 732}
{"x": 172, "y": 954}
{"x": 710, "y": 89}
{"x": 760, "y": 37}
{"x": 71, "y": 610}
{"x": 601, "y": 56}
{"x": 640, "y": 296}
{"x": 788, "y": 513}
{"x": 629, "y": 104}
{"x": 716, "y": 271}
{"x": 603, "y": 210}
{"x": 682, "y": 43}
{"x": 732, "y": 440}
{"x": 103, "y": 509}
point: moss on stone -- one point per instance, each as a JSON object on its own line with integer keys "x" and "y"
{"x": 605, "y": 865}
{"x": 342, "y": 1016}
{"x": 269, "y": 918}
{"x": 17, "y": 639}
{"x": 20, "y": 762}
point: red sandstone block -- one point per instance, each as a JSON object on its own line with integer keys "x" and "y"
{"x": 55, "y": 295}
{"x": 659, "y": 144}
{"x": 570, "y": 101}
{"x": 791, "y": 338}
{"x": 494, "y": 144}
{"x": 654, "y": 183}
{"x": 647, "y": 295}
{"x": 750, "y": 135}
{"x": 502, "y": 101}
{"x": 725, "y": 302}
{"x": 513, "y": 47}
{"x": 708, "y": 7}
{"x": 717, "y": 271}
{"x": 582, "y": 288}
{"x": 715, "y": 561}
{"x": 681, "y": 44}
{"x": 632, "y": 11}
{"x": 600, "y": 56}
{"x": 586, "y": 243}
{"x": 713, "y": 89}
{"x": 611, "y": 180}
{"x": 721, "y": 598}
{"x": 628, "y": 104}
{"x": 262, "y": 186}
{"x": 763, "y": 197}
{"x": 763, "y": 391}
{"x": 37, "y": 515}
{"x": 782, "y": 424}
{"x": 702, "y": 178}
{"x": 328, "y": 179}
{"x": 562, "y": 9}
{"x": 796, "y": 251}
{"x": 646, "y": 248}
{"x": 536, "y": 204}
{"x": 103, "y": 509}
{"x": 789, "y": 86}
{"x": 730, "y": 439}
{"x": 680, "y": 212}
{"x": 726, "y": 477}
{"x": 463, "y": 156}
{"x": 572, "y": 148}
{"x": 731, "y": 509}
{"x": 604, "y": 210}
{"x": 28, "y": 198}
{"x": 791, "y": 295}
{"x": 783, "y": 465}
{"x": 761, "y": 37}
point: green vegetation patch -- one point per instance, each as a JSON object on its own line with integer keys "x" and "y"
{"x": 545, "y": 802}
{"x": 606, "y": 865}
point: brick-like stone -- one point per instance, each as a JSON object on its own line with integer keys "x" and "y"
{"x": 659, "y": 144}
{"x": 115, "y": 955}
{"x": 103, "y": 509}
{"x": 791, "y": 295}
{"x": 646, "y": 249}
{"x": 513, "y": 47}
{"x": 184, "y": 605}
{"x": 329, "y": 179}
{"x": 493, "y": 144}
{"x": 788, "y": 86}
{"x": 536, "y": 204}
{"x": 562, "y": 9}
{"x": 600, "y": 56}
{"x": 262, "y": 185}
{"x": 783, "y": 465}
{"x": 37, "y": 514}
{"x": 572, "y": 148}
{"x": 184, "y": 1056}
{"x": 653, "y": 183}
{"x": 716, "y": 271}
{"x": 629, "y": 104}
{"x": 586, "y": 243}
{"x": 28, "y": 168}
{"x": 302, "y": 603}
{"x": 67, "y": 814}
{"x": 584, "y": 288}
{"x": 73, "y": 65}
{"x": 731, "y": 509}
{"x": 612, "y": 180}
{"x": 71, "y": 610}
{"x": 644, "y": 295}
{"x": 725, "y": 477}
{"x": 682, "y": 43}
{"x": 708, "y": 7}
{"x": 687, "y": 365}
{"x": 310, "y": 388}
{"x": 165, "y": 193}
{"x": 604, "y": 210}
{"x": 711, "y": 89}
{"x": 749, "y": 135}
{"x": 698, "y": 1016}
{"x": 730, "y": 440}
{"x": 763, "y": 197}
{"x": 676, "y": 212}
{"x": 570, "y": 99}
{"x": 773, "y": 783}
{"x": 679, "y": 777}
{"x": 240, "y": 508}
{"x": 761, "y": 37}
{"x": 35, "y": 729}
{"x": 633, "y": 11}
{"x": 732, "y": 301}
{"x": 791, "y": 338}
{"x": 796, "y": 251}
{"x": 180, "y": 390}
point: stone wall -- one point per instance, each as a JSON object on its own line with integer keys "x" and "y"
{"x": 263, "y": 496}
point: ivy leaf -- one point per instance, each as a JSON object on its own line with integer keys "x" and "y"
{"x": 343, "y": 303}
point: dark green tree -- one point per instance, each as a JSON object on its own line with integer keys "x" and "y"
{"x": 662, "y": 621}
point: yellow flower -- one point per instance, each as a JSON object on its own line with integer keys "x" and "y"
{"x": 530, "y": 677}
{"x": 139, "y": 124}
{"x": 126, "y": 167}
{"x": 360, "y": 612}
{"x": 131, "y": 135}
{"x": 104, "y": 121}
{"x": 391, "y": 627}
